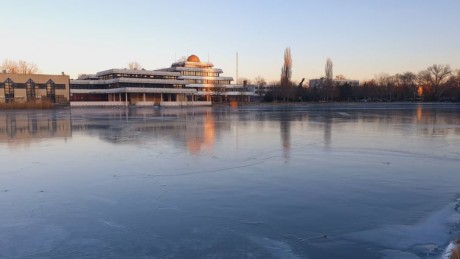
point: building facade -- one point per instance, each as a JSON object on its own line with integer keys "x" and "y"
{"x": 123, "y": 87}
{"x": 34, "y": 88}
{"x": 186, "y": 83}
{"x": 208, "y": 82}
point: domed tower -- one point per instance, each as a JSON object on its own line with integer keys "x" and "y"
{"x": 193, "y": 58}
{"x": 206, "y": 79}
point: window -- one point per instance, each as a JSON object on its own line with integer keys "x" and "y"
{"x": 9, "y": 90}
{"x": 51, "y": 90}
{"x": 30, "y": 90}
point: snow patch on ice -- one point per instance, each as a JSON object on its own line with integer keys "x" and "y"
{"x": 277, "y": 249}
{"x": 447, "y": 253}
{"x": 433, "y": 232}
{"x": 396, "y": 254}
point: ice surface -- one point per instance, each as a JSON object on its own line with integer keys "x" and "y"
{"x": 427, "y": 236}
{"x": 262, "y": 181}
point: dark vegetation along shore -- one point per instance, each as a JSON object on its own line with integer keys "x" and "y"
{"x": 437, "y": 82}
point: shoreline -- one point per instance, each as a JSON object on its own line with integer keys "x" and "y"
{"x": 43, "y": 106}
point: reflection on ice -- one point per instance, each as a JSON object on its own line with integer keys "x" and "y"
{"x": 268, "y": 181}
{"x": 19, "y": 127}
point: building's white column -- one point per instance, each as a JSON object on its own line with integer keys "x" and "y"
{"x": 126, "y": 99}
{"x": 144, "y": 97}
{"x": 119, "y": 97}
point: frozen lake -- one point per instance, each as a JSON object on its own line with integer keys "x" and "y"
{"x": 300, "y": 181}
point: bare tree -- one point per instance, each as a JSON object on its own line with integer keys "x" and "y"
{"x": 408, "y": 81}
{"x": 340, "y": 77}
{"x": 328, "y": 87}
{"x": 182, "y": 59}
{"x": 26, "y": 67}
{"x": 286, "y": 73}
{"x": 260, "y": 84}
{"x": 435, "y": 75}
{"x": 260, "y": 81}
{"x": 458, "y": 78}
{"x": 243, "y": 79}
{"x": 387, "y": 82}
{"x": 21, "y": 67}
{"x": 408, "y": 78}
{"x": 10, "y": 66}
{"x": 134, "y": 65}
{"x": 329, "y": 69}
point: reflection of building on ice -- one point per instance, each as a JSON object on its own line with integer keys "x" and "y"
{"x": 23, "y": 127}
{"x": 202, "y": 135}
{"x": 285, "y": 131}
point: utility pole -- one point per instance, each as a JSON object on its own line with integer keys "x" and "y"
{"x": 236, "y": 67}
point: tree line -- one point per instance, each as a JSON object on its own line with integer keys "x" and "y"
{"x": 18, "y": 67}
{"x": 435, "y": 83}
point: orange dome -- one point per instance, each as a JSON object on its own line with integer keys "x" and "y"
{"x": 193, "y": 58}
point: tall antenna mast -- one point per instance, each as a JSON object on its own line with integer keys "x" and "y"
{"x": 237, "y": 67}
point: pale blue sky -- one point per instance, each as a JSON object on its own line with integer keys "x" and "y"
{"x": 363, "y": 38}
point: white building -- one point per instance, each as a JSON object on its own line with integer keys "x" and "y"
{"x": 189, "y": 82}
{"x": 208, "y": 82}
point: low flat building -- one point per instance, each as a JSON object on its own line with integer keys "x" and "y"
{"x": 123, "y": 87}
{"x": 34, "y": 88}
{"x": 318, "y": 83}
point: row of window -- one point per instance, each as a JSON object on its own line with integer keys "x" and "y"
{"x": 30, "y": 86}
{"x": 200, "y": 73}
{"x": 10, "y": 84}
{"x": 211, "y": 82}
{"x": 118, "y": 85}
{"x": 112, "y": 76}
{"x": 148, "y": 85}
{"x": 224, "y": 90}
{"x": 37, "y": 86}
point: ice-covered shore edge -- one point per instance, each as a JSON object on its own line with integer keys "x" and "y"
{"x": 453, "y": 246}
{"x": 431, "y": 237}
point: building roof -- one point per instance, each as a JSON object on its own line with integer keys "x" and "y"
{"x": 193, "y": 58}
{"x": 137, "y": 72}
{"x": 128, "y": 80}
{"x": 37, "y": 78}
{"x": 133, "y": 90}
